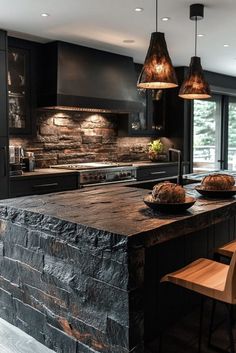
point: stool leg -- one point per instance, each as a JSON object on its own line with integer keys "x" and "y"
{"x": 200, "y": 325}
{"x": 230, "y": 327}
{"x": 160, "y": 343}
{"x": 211, "y": 322}
{"x": 216, "y": 256}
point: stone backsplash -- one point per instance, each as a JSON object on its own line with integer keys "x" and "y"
{"x": 68, "y": 137}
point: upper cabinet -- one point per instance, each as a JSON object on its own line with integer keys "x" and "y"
{"x": 18, "y": 90}
{"x": 150, "y": 121}
{"x": 23, "y": 57}
{"x": 3, "y": 85}
{"x": 4, "y": 180}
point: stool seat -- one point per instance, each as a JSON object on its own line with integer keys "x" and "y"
{"x": 227, "y": 250}
{"x": 211, "y": 279}
{"x": 204, "y": 276}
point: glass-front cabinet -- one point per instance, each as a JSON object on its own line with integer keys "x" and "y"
{"x": 151, "y": 120}
{"x": 18, "y": 90}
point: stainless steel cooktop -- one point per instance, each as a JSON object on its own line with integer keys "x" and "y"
{"x": 90, "y": 165}
{"x": 101, "y": 172}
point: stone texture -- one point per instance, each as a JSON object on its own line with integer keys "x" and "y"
{"x": 64, "y": 283}
{"x": 72, "y": 137}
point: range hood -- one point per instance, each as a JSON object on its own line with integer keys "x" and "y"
{"x": 80, "y": 78}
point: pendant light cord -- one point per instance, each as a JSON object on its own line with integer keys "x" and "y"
{"x": 195, "y": 36}
{"x": 156, "y": 15}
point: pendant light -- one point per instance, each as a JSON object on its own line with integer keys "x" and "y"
{"x": 158, "y": 71}
{"x": 195, "y": 86}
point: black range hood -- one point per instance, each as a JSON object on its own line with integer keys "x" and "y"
{"x": 80, "y": 78}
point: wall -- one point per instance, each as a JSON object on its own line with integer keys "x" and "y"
{"x": 68, "y": 137}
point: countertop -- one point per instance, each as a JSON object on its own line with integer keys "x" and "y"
{"x": 118, "y": 210}
{"x": 44, "y": 172}
{"x": 55, "y": 171}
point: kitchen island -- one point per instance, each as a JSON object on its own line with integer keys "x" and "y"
{"x": 80, "y": 269}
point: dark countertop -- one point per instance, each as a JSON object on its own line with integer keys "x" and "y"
{"x": 120, "y": 210}
{"x": 44, "y": 172}
{"x": 51, "y": 171}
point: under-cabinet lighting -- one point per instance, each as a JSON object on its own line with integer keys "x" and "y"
{"x": 88, "y": 110}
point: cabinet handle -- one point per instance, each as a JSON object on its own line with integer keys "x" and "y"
{"x": 41, "y": 186}
{"x": 155, "y": 173}
{"x": 4, "y": 149}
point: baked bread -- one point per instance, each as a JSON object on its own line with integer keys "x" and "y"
{"x": 168, "y": 193}
{"x": 218, "y": 182}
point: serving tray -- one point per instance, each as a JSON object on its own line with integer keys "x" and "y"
{"x": 216, "y": 193}
{"x": 169, "y": 207}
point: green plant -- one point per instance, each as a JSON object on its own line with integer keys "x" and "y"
{"x": 156, "y": 146}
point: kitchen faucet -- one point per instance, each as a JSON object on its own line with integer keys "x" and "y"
{"x": 180, "y": 167}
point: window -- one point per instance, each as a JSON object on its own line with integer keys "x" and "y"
{"x": 214, "y": 133}
{"x": 207, "y": 134}
{"x": 232, "y": 134}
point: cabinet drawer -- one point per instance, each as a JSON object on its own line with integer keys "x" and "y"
{"x": 156, "y": 172}
{"x": 21, "y": 186}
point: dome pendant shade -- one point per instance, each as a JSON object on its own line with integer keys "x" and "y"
{"x": 195, "y": 86}
{"x": 158, "y": 71}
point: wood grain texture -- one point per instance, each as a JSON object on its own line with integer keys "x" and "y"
{"x": 121, "y": 210}
{"x": 207, "y": 277}
{"x": 227, "y": 249}
{"x": 13, "y": 340}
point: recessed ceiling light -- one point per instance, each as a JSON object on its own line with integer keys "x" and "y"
{"x": 138, "y": 9}
{"x": 128, "y": 41}
{"x": 201, "y": 35}
{"x": 165, "y": 19}
{"x": 226, "y": 45}
{"x": 45, "y": 14}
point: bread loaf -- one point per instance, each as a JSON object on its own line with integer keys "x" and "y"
{"x": 218, "y": 182}
{"x": 168, "y": 193}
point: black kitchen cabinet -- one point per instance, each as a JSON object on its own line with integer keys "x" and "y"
{"x": 157, "y": 171}
{"x": 18, "y": 90}
{"x": 42, "y": 184}
{"x": 150, "y": 121}
{"x": 23, "y": 76}
{"x": 4, "y": 179}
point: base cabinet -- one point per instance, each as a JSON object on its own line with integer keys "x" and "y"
{"x": 159, "y": 171}
{"x": 22, "y": 186}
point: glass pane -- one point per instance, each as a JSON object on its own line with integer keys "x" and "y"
{"x": 232, "y": 135}
{"x": 207, "y": 134}
{"x": 139, "y": 120}
{"x": 16, "y": 88}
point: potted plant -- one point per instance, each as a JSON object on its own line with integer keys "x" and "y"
{"x": 156, "y": 151}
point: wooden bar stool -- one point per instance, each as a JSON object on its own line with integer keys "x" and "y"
{"x": 211, "y": 279}
{"x": 225, "y": 250}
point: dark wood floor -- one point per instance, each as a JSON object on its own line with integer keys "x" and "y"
{"x": 13, "y": 340}
{"x": 183, "y": 336}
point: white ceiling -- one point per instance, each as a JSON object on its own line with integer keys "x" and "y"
{"x": 104, "y": 24}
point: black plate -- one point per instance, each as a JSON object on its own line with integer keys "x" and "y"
{"x": 169, "y": 207}
{"x": 216, "y": 193}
